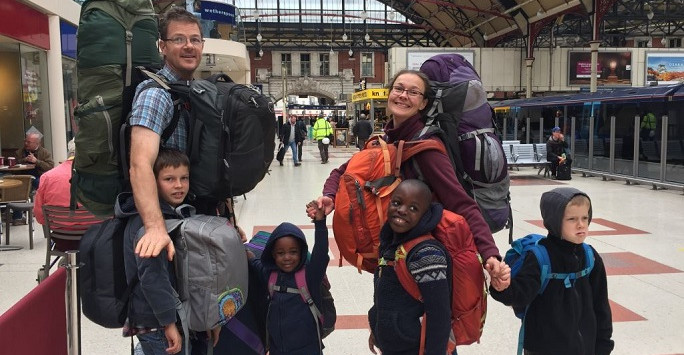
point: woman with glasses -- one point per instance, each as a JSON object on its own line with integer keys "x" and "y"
{"x": 408, "y": 98}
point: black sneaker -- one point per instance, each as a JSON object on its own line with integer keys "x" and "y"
{"x": 298, "y": 164}
{"x": 281, "y": 162}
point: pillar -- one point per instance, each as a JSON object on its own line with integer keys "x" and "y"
{"x": 528, "y": 85}
{"x": 594, "y": 61}
{"x": 56, "y": 89}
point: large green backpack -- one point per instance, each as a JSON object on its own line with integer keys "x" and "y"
{"x": 114, "y": 37}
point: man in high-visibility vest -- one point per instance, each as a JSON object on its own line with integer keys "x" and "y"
{"x": 648, "y": 126}
{"x": 322, "y": 131}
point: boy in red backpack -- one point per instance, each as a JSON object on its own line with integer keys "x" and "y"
{"x": 294, "y": 327}
{"x": 395, "y": 318}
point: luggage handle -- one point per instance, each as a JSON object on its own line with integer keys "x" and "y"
{"x": 221, "y": 77}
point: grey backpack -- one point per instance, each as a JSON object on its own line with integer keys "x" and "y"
{"x": 211, "y": 270}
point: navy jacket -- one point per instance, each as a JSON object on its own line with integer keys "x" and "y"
{"x": 154, "y": 299}
{"x": 290, "y": 323}
{"x": 395, "y": 316}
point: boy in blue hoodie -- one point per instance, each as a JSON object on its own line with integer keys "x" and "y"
{"x": 291, "y": 326}
{"x": 154, "y": 300}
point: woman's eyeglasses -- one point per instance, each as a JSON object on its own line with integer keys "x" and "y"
{"x": 398, "y": 90}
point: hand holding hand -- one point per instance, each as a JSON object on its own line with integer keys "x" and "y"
{"x": 503, "y": 279}
{"x": 325, "y": 203}
{"x": 312, "y": 208}
{"x": 493, "y": 266}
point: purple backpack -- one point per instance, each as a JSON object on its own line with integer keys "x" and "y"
{"x": 461, "y": 116}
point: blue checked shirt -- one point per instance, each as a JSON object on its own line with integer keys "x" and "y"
{"x": 153, "y": 109}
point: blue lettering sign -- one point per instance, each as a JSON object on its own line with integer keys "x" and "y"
{"x": 220, "y": 12}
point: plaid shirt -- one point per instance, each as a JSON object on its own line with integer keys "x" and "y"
{"x": 153, "y": 109}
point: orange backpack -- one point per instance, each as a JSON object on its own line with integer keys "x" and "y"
{"x": 468, "y": 286}
{"x": 363, "y": 197}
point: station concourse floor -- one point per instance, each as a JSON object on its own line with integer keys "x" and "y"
{"x": 638, "y": 231}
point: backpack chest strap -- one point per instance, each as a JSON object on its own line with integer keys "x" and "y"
{"x": 570, "y": 278}
{"x": 302, "y": 290}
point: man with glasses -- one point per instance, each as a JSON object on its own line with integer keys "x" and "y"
{"x": 181, "y": 45}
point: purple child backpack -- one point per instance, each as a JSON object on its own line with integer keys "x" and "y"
{"x": 461, "y": 116}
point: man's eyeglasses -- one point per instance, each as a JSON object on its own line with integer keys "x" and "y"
{"x": 182, "y": 40}
{"x": 398, "y": 90}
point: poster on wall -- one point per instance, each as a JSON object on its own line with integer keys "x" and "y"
{"x": 664, "y": 68}
{"x": 612, "y": 68}
{"x": 415, "y": 59}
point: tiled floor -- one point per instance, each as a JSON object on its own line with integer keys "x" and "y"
{"x": 638, "y": 232}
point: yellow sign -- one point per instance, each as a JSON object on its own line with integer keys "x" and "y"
{"x": 370, "y": 94}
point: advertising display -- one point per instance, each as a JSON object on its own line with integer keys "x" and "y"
{"x": 415, "y": 59}
{"x": 613, "y": 68}
{"x": 664, "y": 68}
{"x": 211, "y": 14}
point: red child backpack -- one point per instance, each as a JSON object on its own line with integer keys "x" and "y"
{"x": 363, "y": 197}
{"x": 469, "y": 289}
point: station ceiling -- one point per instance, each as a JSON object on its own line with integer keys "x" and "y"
{"x": 358, "y": 25}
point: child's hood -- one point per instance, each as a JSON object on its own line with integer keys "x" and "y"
{"x": 553, "y": 205}
{"x": 284, "y": 229}
{"x": 125, "y": 207}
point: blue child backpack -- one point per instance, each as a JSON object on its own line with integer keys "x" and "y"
{"x": 515, "y": 256}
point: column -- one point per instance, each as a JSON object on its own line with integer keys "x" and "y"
{"x": 594, "y": 61}
{"x": 528, "y": 64}
{"x": 56, "y": 89}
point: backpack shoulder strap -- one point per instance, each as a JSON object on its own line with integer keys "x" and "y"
{"x": 589, "y": 259}
{"x": 542, "y": 256}
{"x": 403, "y": 274}
{"x": 412, "y": 148}
{"x": 272, "y": 278}
{"x": 302, "y": 290}
{"x": 300, "y": 279}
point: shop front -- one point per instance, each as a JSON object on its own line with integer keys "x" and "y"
{"x": 372, "y": 103}
{"x": 24, "y": 102}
